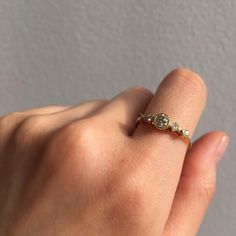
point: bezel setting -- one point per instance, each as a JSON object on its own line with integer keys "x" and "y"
{"x": 162, "y": 121}
{"x": 149, "y": 118}
{"x": 175, "y": 127}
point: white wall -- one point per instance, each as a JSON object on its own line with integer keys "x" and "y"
{"x": 66, "y": 51}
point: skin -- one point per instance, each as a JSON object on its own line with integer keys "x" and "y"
{"x": 87, "y": 170}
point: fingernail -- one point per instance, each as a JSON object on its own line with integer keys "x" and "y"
{"x": 221, "y": 147}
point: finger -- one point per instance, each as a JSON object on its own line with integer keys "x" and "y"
{"x": 123, "y": 108}
{"x": 54, "y": 117}
{"x": 59, "y": 119}
{"x": 181, "y": 95}
{"x": 41, "y": 110}
{"x": 196, "y": 185}
{"x": 79, "y": 111}
{"x": 18, "y": 116}
{"x": 83, "y": 107}
{"x": 45, "y": 110}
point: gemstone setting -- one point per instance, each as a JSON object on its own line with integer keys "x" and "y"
{"x": 185, "y": 133}
{"x": 149, "y": 119}
{"x": 162, "y": 121}
{"x": 175, "y": 127}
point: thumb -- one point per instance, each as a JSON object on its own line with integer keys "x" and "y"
{"x": 196, "y": 185}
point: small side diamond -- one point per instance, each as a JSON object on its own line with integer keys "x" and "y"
{"x": 186, "y": 133}
{"x": 149, "y": 118}
{"x": 175, "y": 127}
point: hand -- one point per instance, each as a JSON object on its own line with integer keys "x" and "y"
{"x": 86, "y": 170}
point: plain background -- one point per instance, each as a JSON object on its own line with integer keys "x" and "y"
{"x": 67, "y": 51}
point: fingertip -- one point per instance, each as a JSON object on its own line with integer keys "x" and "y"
{"x": 196, "y": 185}
{"x": 209, "y": 143}
{"x": 205, "y": 152}
{"x": 190, "y": 79}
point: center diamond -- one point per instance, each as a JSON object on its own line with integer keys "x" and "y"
{"x": 162, "y": 121}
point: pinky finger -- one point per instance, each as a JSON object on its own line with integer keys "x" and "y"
{"x": 196, "y": 185}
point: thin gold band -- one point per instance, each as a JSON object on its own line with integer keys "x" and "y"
{"x": 162, "y": 121}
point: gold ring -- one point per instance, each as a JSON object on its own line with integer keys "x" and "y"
{"x": 162, "y": 121}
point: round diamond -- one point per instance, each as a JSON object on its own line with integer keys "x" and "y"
{"x": 162, "y": 121}
{"x": 149, "y": 118}
{"x": 175, "y": 127}
{"x": 186, "y": 133}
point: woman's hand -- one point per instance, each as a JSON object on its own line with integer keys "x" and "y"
{"x": 86, "y": 170}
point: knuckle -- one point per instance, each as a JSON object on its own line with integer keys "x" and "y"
{"x": 102, "y": 101}
{"x": 8, "y": 123}
{"x": 140, "y": 89}
{"x": 73, "y": 145}
{"x": 190, "y": 78}
{"x": 207, "y": 189}
{"x": 78, "y": 135}
{"x": 32, "y": 123}
{"x": 29, "y": 127}
{"x": 200, "y": 189}
{"x": 10, "y": 118}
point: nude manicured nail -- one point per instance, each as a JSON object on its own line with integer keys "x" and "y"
{"x": 221, "y": 147}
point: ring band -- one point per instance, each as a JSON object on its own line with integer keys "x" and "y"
{"x": 162, "y": 121}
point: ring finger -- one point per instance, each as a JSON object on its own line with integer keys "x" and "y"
{"x": 181, "y": 95}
